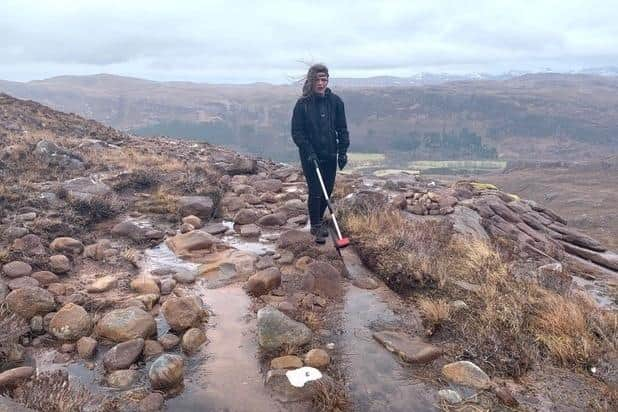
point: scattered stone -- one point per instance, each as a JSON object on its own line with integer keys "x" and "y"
{"x": 45, "y": 278}
{"x": 467, "y": 374}
{"x": 151, "y": 403}
{"x": 166, "y": 371}
{"x": 14, "y": 376}
{"x": 125, "y": 324}
{"x": 102, "y": 284}
{"x": 71, "y": 322}
{"x": 36, "y": 325}
{"x": 67, "y": 348}
{"x": 144, "y": 285}
{"x": 449, "y": 396}
{"x": 268, "y": 185}
{"x": 169, "y": 341}
{"x": 123, "y": 354}
{"x": 23, "y": 282}
{"x": 365, "y": 282}
{"x": 185, "y": 276}
{"x": 278, "y": 382}
{"x": 317, "y": 358}
{"x": 286, "y": 362}
{"x": 152, "y": 348}
{"x": 16, "y": 269}
{"x": 192, "y": 340}
{"x": 182, "y": 313}
{"x": 245, "y": 217}
{"x": 59, "y": 264}
{"x": 167, "y": 286}
{"x": 250, "y": 230}
{"x": 194, "y": 221}
{"x": 294, "y": 239}
{"x": 200, "y": 206}
{"x": 286, "y": 258}
{"x": 86, "y": 347}
{"x": 273, "y": 219}
{"x": 552, "y": 276}
{"x": 214, "y": 228}
{"x": 129, "y": 229}
{"x": 14, "y": 232}
{"x": 411, "y": 350}
{"x": 193, "y": 241}
{"x": 67, "y": 246}
{"x": 29, "y": 301}
{"x": 458, "y": 305}
{"x": 186, "y": 228}
{"x": 276, "y": 329}
{"x": 264, "y": 281}
{"x": 122, "y": 379}
{"x": 299, "y": 220}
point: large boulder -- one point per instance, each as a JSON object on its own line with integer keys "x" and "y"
{"x": 245, "y": 217}
{"x": 30, "y": 301}
{"x": 167, "y": 371}
{"x": 276, "y": 330}
{"x": 322, "y": 279}
{"x": 50, "y": 154}
{"x": 71, "y": 322}
{"x": 125, "y": 324}
{"x": 129, "y": 229}
{"x": 182, "y": 313}
{"x": 200, "y": 206}
{"x": 123, "y": 355}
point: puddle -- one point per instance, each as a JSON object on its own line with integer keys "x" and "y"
{"x": 260, "y": 246}
{"x": 230, "y": 378}
{"x": 161, "y": 257}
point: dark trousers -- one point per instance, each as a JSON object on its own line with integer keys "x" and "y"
{"x": 317, "y": 202}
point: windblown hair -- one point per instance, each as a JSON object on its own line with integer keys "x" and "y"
{"x": 312, "y": 75}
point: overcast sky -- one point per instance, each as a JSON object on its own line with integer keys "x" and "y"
{"x": 247, "y": 41}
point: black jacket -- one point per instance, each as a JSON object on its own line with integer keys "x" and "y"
{"x": 306, "y": 131}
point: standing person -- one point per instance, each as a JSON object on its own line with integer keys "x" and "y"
{"x": 320, "y": 131}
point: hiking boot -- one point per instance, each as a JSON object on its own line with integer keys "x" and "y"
{"x": 318, "y": 232}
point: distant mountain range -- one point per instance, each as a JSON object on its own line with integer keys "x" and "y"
{"x": 429, "y": 116}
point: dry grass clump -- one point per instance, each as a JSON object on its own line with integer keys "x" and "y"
{"x": 97, "y": 208}
{"x": 329, "y": 396}
{"x": 140, "y": 179}
{"x": 53, "y": 392}
{"x": 406, "y": 254}
{"x": 511, "y": 322}
{"x": 12, "y": 327}
{"x": 159, "y": 203}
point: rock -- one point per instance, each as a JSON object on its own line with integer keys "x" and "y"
{"x": 166, "y": 371}
{"x": 57, "y": 289}
{"x": 449, "y": 396}
{"x": 16, "y": 269}
{"x": 458, "y": 305}
{"x": 273, "y": 219}
{"x": 552, "y": 276}
{"x": 300, "y": 220}
{"x": 36, "y": 325}
{"x": 192, "y": 340}
{"x": 576, "y": 237}
{"x": 215, "y": 228}
{"x": 14, "y": 232}
{"x": 144, "y": 285}
{"x": 194, "y": 221}
{"x": 200, "y": 206}
{"x": 286, "y": 362}
{"x": 129, "y": 229}
{"x": 152, "y": 348}
{"x": 276, "y": 329}
{"x": 607, "y": 259}
{"x": 250, "y": 230}
{"x": 23, "y": 282}
{"x": 264, "y": 281}
{"x": 322, "y": 279}
{"x": 50, "y": 154}
{"x": 185, "y": 276}
{"x": 245, "y": 217}
{"x": 123, "y": 354}
{"x": 167, "y": 286}
{"x": 59, "y": 264}
{"x": 122, "y": 379}
{"x": 279, "y": 384}
{"x": 15, "y": 376}
{"x": 265, "y": 262}
{"x": 365, "y": 282}
{"x": 102, "y": 284}
{"x": 467, "y": 374}
{"x": 241, "y": 166}
{"x": 71, "y": 322}
{"x": 30, "y": 301}
{"x": 169, "y": 341}
{"x": 86, "y": 347}
{"x": 317, "y": 358}
{"x": 411, "y": 350}
{"x": 186, "y": 228}
{"x": 67, "y": 246}
{"x": 67, "y": 348}
{"x": 30, "y": 245}
{"x": 295, "y": 239}
{"x": 182, "y": 313}
{"x": 151, "y": 403}
{"x": 45, "y": 278}
{"x": 286, "y": 258}
{"x": 268, "y": 185}
{"x": 192, "y": 241}
{"x": 125, "y": 324}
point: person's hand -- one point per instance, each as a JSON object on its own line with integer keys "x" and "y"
{"x": 312, "y": 158}
{"x": 342, "y": 160}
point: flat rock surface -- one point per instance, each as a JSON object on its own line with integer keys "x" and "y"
{"x": 409, "y": 349}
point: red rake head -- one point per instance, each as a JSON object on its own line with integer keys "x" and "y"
{"x": 341, "y": 243}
